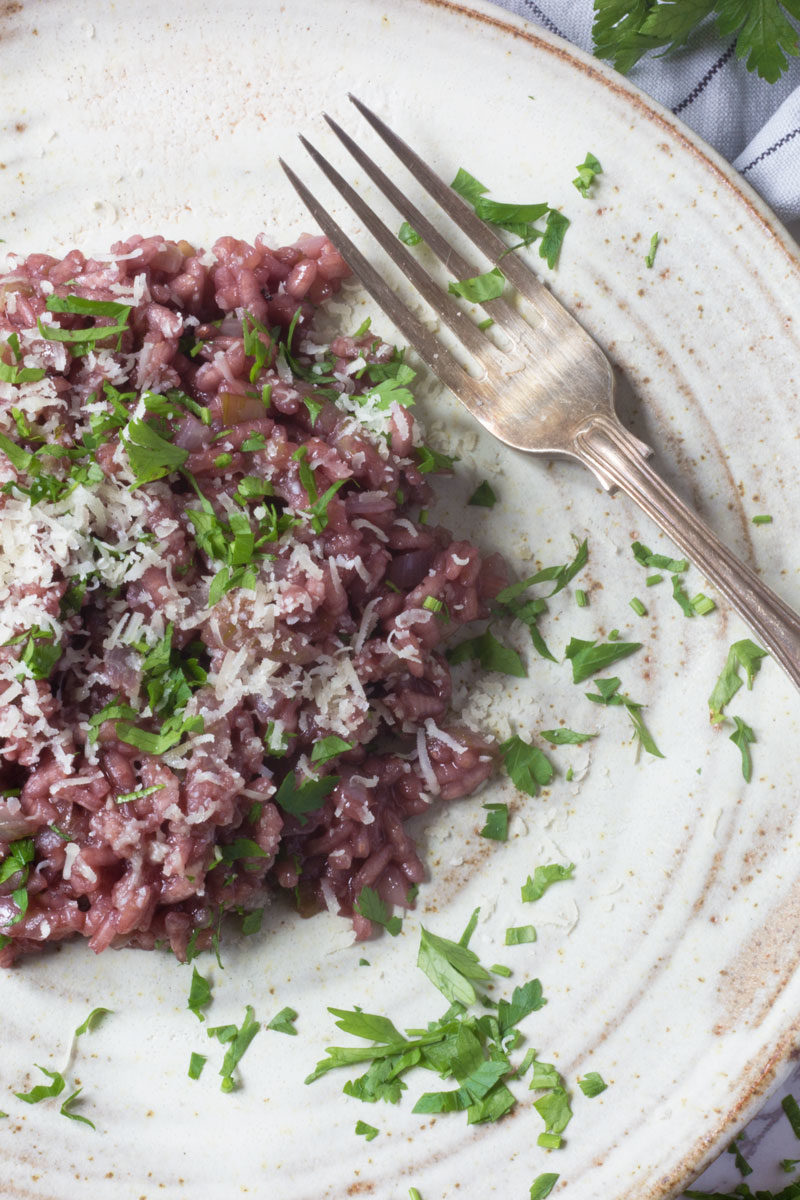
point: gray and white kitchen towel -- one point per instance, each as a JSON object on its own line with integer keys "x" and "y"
{"x": 754, "y": 124}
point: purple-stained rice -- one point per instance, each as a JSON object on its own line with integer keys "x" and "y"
{"x": 104, "y": 600}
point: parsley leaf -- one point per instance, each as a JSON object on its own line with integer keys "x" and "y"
{"x": 589, "y": 657}
{"x": 237, "y": 1041}
{"x": 608, "y": 693}
{"x": 450, "y": 966}
{"x": 592, "y": 1084}
{"x": 150, "y": 455}
{"x": 743, "y": 737}
{"x": 199, "y": 994}
{"x": 528, "y": 767}
{"x": 479, "y": 288}
{"x": 362, "y": 1128}
{"x": 329, "y": 747}
{"x": 496, "y": 826}
{"x": 408, "y": 235}
{"x": 565, "y": 737}
{"x": 520, "y": 935}
{"x": 370, "y": 905}
{"x": 587, "y": 170}
{"x": 283, "y": 1022}
{"x": 196, "y": 1064}
{"x": 483, "y": 496}
{"x": 299, "y": 799}
{"x": 43, "y": 1091}
{"x": 544, "y": 877}
{"x": 92, "y": 1021}
{"x": 543, "y": 1185}
{"x": 490, "y": 653}
{"x": 650, "y": 258}
{"x": 746, "y": 654}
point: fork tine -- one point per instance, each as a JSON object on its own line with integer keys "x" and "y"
{"x": 451, "y": 313}
{"x": 514, "y": 269}
{"x": 500, "y": 309}
{"x": 427, "y": 345}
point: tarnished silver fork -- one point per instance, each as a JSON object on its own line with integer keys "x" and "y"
{"x": 552, "y": 390}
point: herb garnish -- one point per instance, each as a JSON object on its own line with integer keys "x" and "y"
{"x": 299, "y": 799}
{"x": 408, "y": 235}
{"x": 623, "y": 32}
{"x": 608, "y": 693}
{"x": 746, "y": 654}
{"x": 587, "y": 170}
{"x": 543, "y": 1185}
{"x": 283, "y": 1022}
{"x": 370, "y": 905}
{"x": 527, "y": 766}
{"x": 366, "y": 1131}
{"x": 517, "y": 219}
{"x": 544, "y": 877}
{"x": 496, "y": 826}
{"x": 587, "y": 657}
{"x": 237, "y": 1040}
{"x": 592, "y": 1084}
{"x": 483, "y": 496}
{"x": 199, "y": 994}
{"x": 479, "y": 288}
{"x": 490, "y": 653}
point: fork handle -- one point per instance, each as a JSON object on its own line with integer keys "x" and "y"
{"x": 615, "y": 457}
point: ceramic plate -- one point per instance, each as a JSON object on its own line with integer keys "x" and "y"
{"x": 670, "y": 961}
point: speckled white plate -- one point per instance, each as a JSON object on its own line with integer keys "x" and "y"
{"x": 671, "y": 962}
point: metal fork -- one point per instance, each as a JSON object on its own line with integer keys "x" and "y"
{"x": 552, "y": 391}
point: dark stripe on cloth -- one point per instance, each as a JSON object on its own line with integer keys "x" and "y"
{"x": 543, "y": 18}
{"x": 700, "y": 87}
{"x": 787, "y": 137}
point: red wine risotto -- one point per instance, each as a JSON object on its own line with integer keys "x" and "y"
{"x": 221, "y": 604}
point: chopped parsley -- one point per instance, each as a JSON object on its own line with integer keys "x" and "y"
{"x": 283, "y": 1022}
{"x": 299, "y": 799}
{"x": 592, "y": 1084}
{"x": 408, "y": 235}
{"x": 92, "y": 1021}
{"x": 520, "y": 935}
{"x": 587, "y": 170}
{"x": 496, "y": 825}
{"x": 364, "y": 1130}
{"x": 527, "y": 766}
{"x": 543, "y": 1185}
{"x": 588, "y": 657}
{"x": 199, "y": 994}
{"x": 196, "y": 1064}
{"x": 237, "y": 1040}
{"x": 517, "y": 219}
{"x": 608, "y": 693}
{"x": 329, "y": 747}
{"x": 483, "y": 496}
{"x": 150, "y": 455}
{"x": 745, "y": 654}
{"x": 651, "y": 253}
{"x": 472, "y": 1050}
{"x": 44, "y": 1091}
{"x": 543, "y": 878}
{"x": 792, "y": 1110}
{"x": 370, "y": 905}
{"x": 743, "y": 737}
{"x": 17, "y": 865}
{"x": 479, "y": 288}
{"x": 565, "y": 737}
{"x": 490, "y": 653}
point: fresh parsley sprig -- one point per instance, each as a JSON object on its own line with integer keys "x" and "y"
{"x": 624, "y": 30}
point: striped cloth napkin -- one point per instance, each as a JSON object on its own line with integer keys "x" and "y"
{"x": 755, "y": 125}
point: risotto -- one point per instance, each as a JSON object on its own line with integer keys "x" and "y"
{"x": 221, "y": 605}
